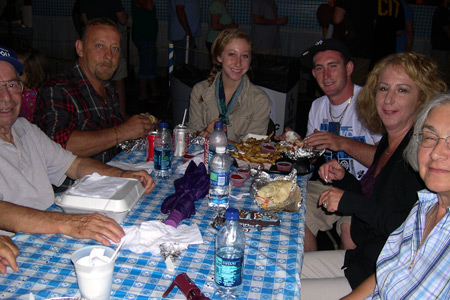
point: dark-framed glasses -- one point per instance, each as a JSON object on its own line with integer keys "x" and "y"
{"x": 13, "y": 86}
{"x": 430, "y": 140}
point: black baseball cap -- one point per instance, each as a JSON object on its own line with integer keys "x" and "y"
{"x": 10, "y": 56}
{"x": 307, "y": 57}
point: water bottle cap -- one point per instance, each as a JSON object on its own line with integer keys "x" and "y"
{"x": 220, "y": 149}
{"x": 218, "y": 125}
{"x": 162, "y": 124}
{"x": 232, "y": 214}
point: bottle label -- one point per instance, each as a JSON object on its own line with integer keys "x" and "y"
{"x": 162, "y": 159}
{"x": 228, "y": 271}
{"x": 219, "y": 178}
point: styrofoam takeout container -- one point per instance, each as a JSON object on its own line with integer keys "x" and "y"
{"x": 117, "y": 207}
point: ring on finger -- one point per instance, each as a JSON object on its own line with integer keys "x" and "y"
{"x": 325, "y": 204}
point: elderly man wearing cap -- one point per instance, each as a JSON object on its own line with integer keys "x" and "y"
{"x": 333, "y": 125}
{"x": 30, "y": 163}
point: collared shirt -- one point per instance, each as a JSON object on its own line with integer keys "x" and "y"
{"x": 69, "y": 102}
{"x": 428, "y": 277}
{"x": 31, "y": 166}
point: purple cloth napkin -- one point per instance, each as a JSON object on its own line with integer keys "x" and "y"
{"x": 188, "y": 189}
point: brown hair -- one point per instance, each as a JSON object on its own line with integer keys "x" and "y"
{"x": 97, "y": 22}
{"x": 422, "y": 70}
{"x": 225, "y": 37}
{"x": 35, "y": 67}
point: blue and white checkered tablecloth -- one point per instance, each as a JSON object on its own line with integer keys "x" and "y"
{"x": 273, "y": 256}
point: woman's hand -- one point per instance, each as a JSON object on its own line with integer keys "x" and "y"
{"x": 209, "y": 129}
{"x": 8, "y": 254}
{"x": 330, "y": 199}
{"x": 331, "y": 170}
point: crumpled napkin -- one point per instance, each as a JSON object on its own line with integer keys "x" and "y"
{"x": 147, "y": 166}
{"x": 98, "y": 186}
{"x": 181, "y": 169}
{"x": 148, "y": 236}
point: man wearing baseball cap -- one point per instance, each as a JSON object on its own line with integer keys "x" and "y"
{"x": 333, "y": 125}
{"x": 30, "y": 163}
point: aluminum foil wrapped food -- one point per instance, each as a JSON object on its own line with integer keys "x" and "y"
{"x": 294, "y": 148}
{"x": 197, "y": 140}
{"x": 140, "y": 144}
{"x": 278, "y": 194}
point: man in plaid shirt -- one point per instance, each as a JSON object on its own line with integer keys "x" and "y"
{"x": 79, "y": 108}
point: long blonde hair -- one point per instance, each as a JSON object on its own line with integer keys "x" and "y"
{"x": 225, "y": 37}
{"x": 422, "y": 70}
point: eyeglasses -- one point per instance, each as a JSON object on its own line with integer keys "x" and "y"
{"x": 430, "y": 140}
{"x": 12, "y": 86}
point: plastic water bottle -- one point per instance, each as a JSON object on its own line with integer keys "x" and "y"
{"x": 219, "y": 178}
{"x": 229, "y": 259}
{"x": 217, "y": 138}
{"x": 163, "y": 151}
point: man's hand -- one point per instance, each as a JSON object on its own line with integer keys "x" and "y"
{"x": 143, "y": 177}
{"x": 92, "y": 226}
{"x": 135, "y": 127}
{"x": 325, "y": 140}
{"x": 282, "y": 21}
{"x": 8, "y": 254}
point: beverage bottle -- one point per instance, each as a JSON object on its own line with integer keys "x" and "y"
{"x": 215, "y": 139}
{"x": 219, "y": 178}
{"x": 229, "y": 258}
{"x": 163, "y": 151}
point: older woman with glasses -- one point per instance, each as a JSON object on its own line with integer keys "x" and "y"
{"x": 415, "y": 260}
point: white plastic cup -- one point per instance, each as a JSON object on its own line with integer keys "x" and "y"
{"x": 94, "y": 282}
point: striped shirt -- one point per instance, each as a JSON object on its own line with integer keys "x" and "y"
{"x": 429, "y": 276}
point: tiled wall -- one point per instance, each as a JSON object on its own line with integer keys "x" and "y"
{"x": 301, "y": 13}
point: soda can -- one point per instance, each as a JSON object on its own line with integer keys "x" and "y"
{"x": 206, "y": 152}
{"x": 151, "y": 145}
{"x": 180, "y": 141}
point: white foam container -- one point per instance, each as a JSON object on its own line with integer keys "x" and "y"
{"x": 117, "y": 207}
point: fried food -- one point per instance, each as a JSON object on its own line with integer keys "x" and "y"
{"x": 250, "y": 151}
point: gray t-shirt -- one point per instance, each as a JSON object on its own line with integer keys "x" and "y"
{"x": 29, "y": 168}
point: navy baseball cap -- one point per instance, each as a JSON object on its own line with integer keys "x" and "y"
{"x": 307, "y": 57}
{"x": 10, "y": 56}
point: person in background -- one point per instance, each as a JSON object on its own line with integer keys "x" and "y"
{"x": 79, "y": 108}
{"x": 228, "y": 95}
{"x": 414, "y": 261}
{"x": 333, "y": 124}
{"x": 440, "y": 38}
{"x": 218, "y": 19}
{"x": 405, "y": 40}
{"x": 360, "y": 39}
{"x": 266, "y": 27}
{"x": 35, "y": 73}
{"x": 112, "y": 9}
{"x": 145, "y": 33}
{"x": 184, "y": 23}
{"x": 396, "y": 89}
{"x": 8, "y": 254}
{"x": 31, "y": 163}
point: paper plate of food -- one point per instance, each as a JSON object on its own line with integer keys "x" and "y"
{"x": 274, "y": 157}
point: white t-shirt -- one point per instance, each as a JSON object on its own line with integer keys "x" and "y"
{"x": 29, "y": 168}
{"x": 320, "y": 119}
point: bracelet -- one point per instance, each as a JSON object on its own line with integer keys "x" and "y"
{"x": 117, "y": 136}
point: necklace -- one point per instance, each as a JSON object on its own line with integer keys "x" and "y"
{"x": 341, "y": 116}
{"x": 430, "y": 217}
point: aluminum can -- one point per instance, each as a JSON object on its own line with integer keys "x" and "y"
{"x": 180, "y": 141}
{"x": 151, "y": 145}
{"x": 206, "y": 153}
